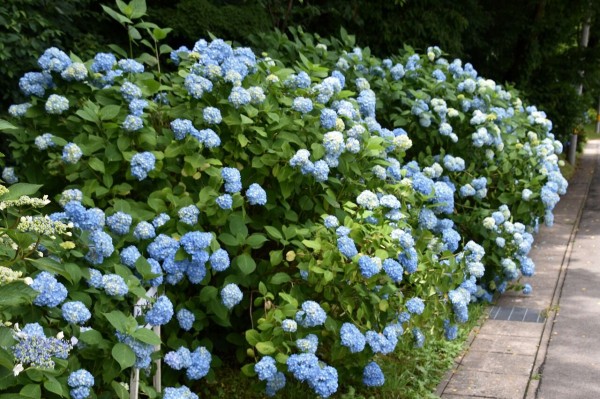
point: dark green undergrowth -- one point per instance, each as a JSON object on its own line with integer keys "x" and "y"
{"x": 410, "y": 373}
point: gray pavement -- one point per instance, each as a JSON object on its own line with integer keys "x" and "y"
{"x": 544, "y": 345}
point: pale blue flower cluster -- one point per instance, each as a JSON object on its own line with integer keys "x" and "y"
{"x": 56, "y": 104}
{"x": 161, "y": 312}
{"x": 142, "y": 350}
{"x": 311, "y": 315}
{"x": 71, "y": 153}
{"x": 75, "y": 312}
{"x": 231, "y": 295}
{"x": 81, "y": 382}
{"x": 186, "y": 319}
{"x": 8, "y": 175}
{"x": 51, "y": 292}
{"x": 34, "y": 349}
{"x": 373, "y": 376}
{"x": 352, "y": 338}
{"x": 256, "y": 195}
{"x": 182, "y": 392}
{"x": 119, "y": 223}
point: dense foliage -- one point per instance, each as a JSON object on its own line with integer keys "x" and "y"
{"x": 301, "y": 218}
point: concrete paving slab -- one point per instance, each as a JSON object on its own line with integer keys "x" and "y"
{"x": 505, "y": 344}
{"x": 512, "y": 328}
{"x": 467, "y": 383}
{"x": 498, "y": 363}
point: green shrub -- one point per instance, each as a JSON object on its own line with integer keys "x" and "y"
{"x": 261, "y": 215}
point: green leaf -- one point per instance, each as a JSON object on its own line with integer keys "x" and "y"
{"x": 275, "y": 257}
{"x": 15, "y": 294}
{"x": 5, "y": 125}
{"x": 31, "y": 391}
{"x": 248, "y": 370}
{"x": 96, "y": 164}
{"x": 52, "y": 385}
{"x": 266, "y": 348}
{"x": 207, "y": 293}
{"x": 252, "y": 337}
{"x": 120, "y": 390}
{"x": 289, "y": 299}
{"x": 138, "y": 8}
{"x": 159, "y": 34}
{"x": 280, "y": 278}
{"x": 118, "y": 320}
{"x": 274, "y": 232}
{"x": 228, "y": 239}
{"x": 109, "y": 112}
{"x": 19, "y": 189}
{"x": 6, "y": 359}
{"x": 147, "y": 336}
{"x": 262, "y": 288}
{"x": 50, "y": 265}
{"x": 124, "y": 355}
{"x": 256, "y": 240}
{"x": 144, "y": 268}
{"x": 91, "y": 337}
{"x": 122, "y": 19}
{"x": 246, "y": 264}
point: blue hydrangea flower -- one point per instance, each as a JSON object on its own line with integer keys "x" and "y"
{"x": 325, "y": 382}
{"x": 266, "y": 368}
{"x": 130, "y": 91}
{"x": 231, "y": 295}
{"x": 186, "y": 319}
{"x": 130, "y": 66}
{"x": 200, "y": 366}
{"x": 369, "y": 266}
{"x": 225, "y": 201}
{"x": 352, "y": 338}
{"x": 219, "y": 260}
{"x": 415, "y": 306}
{"x": 189, "y": 214}
{"x": 302, "y": 105}
{"x": 75, "y": 312}
{"x": 308, "y": 344}
{"x": 56, "y": 104}
{"x": 527, "y": 289}
{"x": 347, "y": 246}
{"x": 367, "y": 199}
{"x": 18, "y": 110}
{"x": 51, "y": 292}
{"x": 8, "y": 175}
{"x": 144, "y": 231}
{"x": 393, "y": 269}
{"x": 311, "y": 315}
{"x": 160, "y": 220}
{"x": 373, "y": 376}
{"x": 195, "y": 241}
{"x": 162, "y": 247}
{"x": 114, "y": 285}
{"x": 119, "y": 223}
{"x": 80, "y": 378}
{"x": 95, "y": 279}
{"x": 239, "y": 97}
{"x": 141, "y": 164}
{"x": 161, "y": 312}
{"x": 71, "y": 153}
{"x": 35, "y": 83}
{"x": 103, "y": 62}
{"x": 256, "y": 195}
{"x": 197, "y": 85}
{"x": 37, "y": 350}
{"x": 129, "y": 255}
{"x": 418, "y": 337}
{"x": 275, "y": 384}
{"x": 331, "y": 222}
{"x": 232, "y": 178}
{"x": 180, "y": 359}
{"x": 212, "y": 115}
{"x": 132, "y": 123}
{"x": 320, "y": 170}
{"x": 289, "y": 325}
{"x": 303, "y": 366}
{"x": 181, "y": 392}
{"x": 54, "y": 60}
{"x": 450, "y": 330}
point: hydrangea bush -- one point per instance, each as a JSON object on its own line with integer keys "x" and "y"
{"x": 303, "y": 220}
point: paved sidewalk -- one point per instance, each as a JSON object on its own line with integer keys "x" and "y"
{"x": 527, "y": 348}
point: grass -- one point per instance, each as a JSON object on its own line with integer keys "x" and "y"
{"x": 410, "y": 373}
